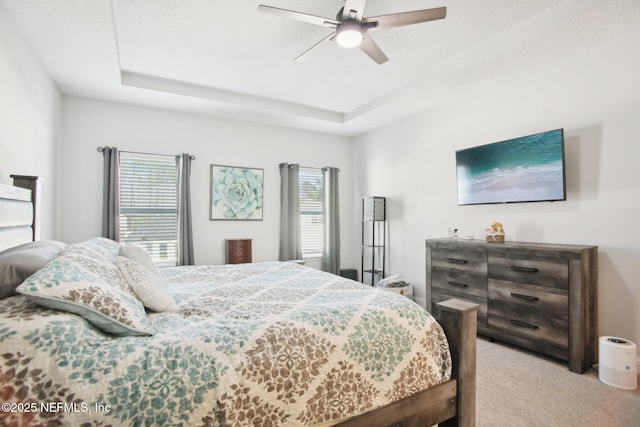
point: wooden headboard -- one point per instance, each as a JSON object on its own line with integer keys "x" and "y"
{"x": 16, "y": 216}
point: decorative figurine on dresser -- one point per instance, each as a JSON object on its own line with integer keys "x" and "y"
{"x": 539, "y": 296}
{"x": 495, "y": 233}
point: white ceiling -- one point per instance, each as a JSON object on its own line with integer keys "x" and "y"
{"x": 224, "y": 58}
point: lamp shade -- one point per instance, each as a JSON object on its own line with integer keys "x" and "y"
{"x": 373, "y": 208}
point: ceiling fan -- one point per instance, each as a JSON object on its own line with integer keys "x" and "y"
{"x": 351, "y": 27}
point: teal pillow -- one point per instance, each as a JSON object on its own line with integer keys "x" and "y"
{"x": 85, "y": 280}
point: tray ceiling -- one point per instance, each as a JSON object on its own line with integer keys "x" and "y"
{"x": 225, "y": 58}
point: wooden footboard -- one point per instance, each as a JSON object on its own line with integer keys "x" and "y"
{"x": 452, "y": 403}
{"x": 459, "y": 321}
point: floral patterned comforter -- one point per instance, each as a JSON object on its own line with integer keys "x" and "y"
{"x": 265, "y": 344}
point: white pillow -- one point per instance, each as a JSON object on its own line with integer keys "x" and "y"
{"x": 137, "y": 253}
{"x": 147, "y": 286}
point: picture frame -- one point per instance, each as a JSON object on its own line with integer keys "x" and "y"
{"x": 236, "y": 193}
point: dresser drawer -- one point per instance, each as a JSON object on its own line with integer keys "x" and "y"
{"x": 545, "y": 272}
{"x": 457, "y": 283}
{"x": 536, "y": 303}
{"x": 541, "y": 333}
{"x": 469, "y": 262}
{"x": 529, "y": 311}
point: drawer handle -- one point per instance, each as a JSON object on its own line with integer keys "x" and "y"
{"x": 524, "y": 269}
{"x": 458, "y": 284}
{"x": 456, "y": 261}
{"x": 526, "y": 297}
{"x": 524, "y": 324}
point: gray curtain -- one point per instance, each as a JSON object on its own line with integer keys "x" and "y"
{"x": 290, "y": 242}
{"x": 111, "y": 194}
{"x": 185, "y": 226}
{"x": 331, "y": 247}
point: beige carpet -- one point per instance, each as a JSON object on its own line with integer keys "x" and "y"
{"x": 519, "y": 388}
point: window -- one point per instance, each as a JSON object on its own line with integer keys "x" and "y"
{"x": 149, "y": 205}
{"x": 311, "y": 212}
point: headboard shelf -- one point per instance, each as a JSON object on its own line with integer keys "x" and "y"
{"x": 17, "y": 213}
{"x": 9, "y": 192}
{"x": 33, "y": 183}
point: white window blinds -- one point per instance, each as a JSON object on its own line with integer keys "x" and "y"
{"x": 311, "y": 212}
{"x": 149, "y": 205}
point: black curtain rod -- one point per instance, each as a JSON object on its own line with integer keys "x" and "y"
{"x": 101, "y": 149}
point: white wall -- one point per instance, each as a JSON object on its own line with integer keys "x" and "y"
{"x": 88, "y": 124}
{"x": 595, "y": 96}
{"x": 30, "y": 105}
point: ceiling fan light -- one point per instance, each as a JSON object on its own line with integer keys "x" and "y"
{"x": 349, "y": 35}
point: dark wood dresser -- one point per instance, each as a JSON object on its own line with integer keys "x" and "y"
{"x": 538, "y": 296}
{"x": 238, "y": 251}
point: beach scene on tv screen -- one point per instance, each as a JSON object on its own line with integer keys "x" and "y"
{"x": 519, "y": 170}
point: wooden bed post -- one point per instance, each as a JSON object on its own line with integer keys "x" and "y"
{"x": 459, "y": 321}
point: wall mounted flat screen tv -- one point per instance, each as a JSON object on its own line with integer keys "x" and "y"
{"x": 526, "y": 169}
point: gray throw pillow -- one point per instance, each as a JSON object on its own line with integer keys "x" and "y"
{"x": 20, "y": 262}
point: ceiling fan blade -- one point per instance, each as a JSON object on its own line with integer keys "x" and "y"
{"x": 370, "y": 47}
{"x": 298, "y": 16}
{"x": 353, "y": 9}
{"x": 306, "y": 52}
{"x": 405, "y": 18}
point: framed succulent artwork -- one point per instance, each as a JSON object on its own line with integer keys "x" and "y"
{"x": 236, "y": 193}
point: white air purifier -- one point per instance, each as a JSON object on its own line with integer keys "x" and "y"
{"x": 617, "y": 363}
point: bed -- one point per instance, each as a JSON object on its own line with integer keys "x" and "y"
{"x": 94, "y": 335}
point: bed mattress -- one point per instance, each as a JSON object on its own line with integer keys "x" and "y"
{"x": 269, "y": 344}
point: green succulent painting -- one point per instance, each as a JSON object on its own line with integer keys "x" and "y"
{"x": 236, "y": 193}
